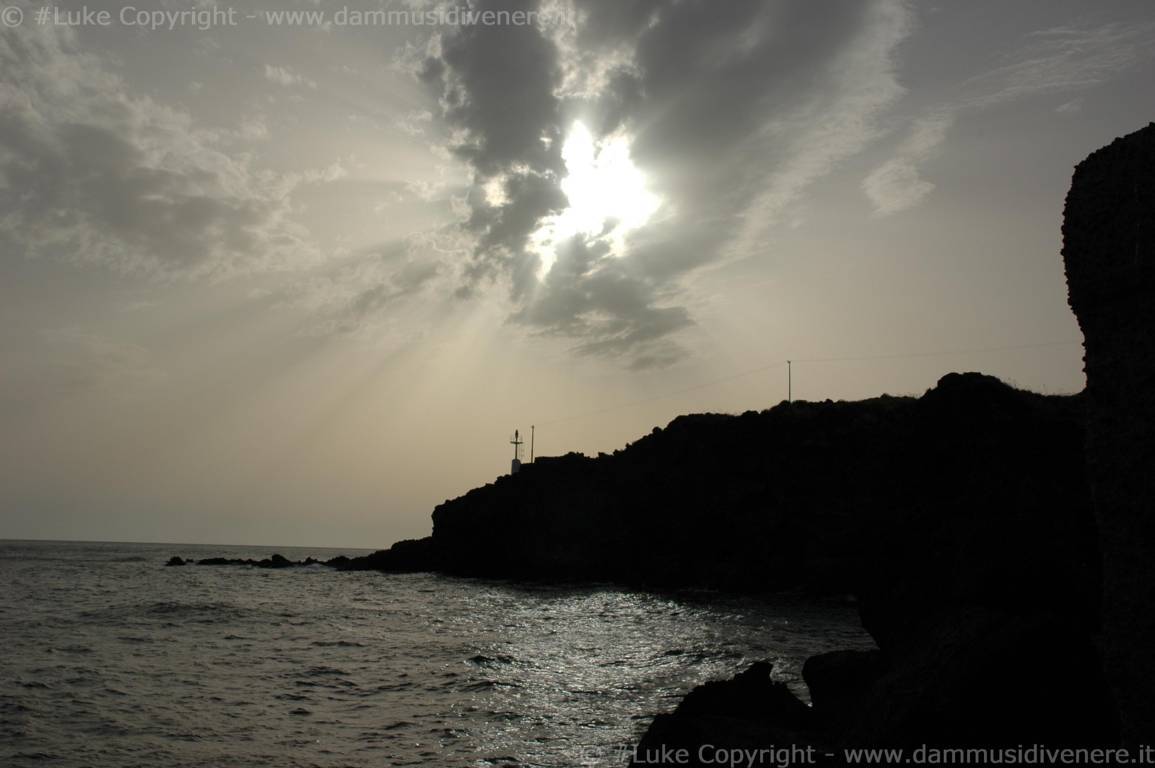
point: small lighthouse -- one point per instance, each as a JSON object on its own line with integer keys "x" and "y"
{"x": 516, "y": 442}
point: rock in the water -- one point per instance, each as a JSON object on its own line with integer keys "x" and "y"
{"x": 221, "y": 561}
{"x": 1109, "y": 252}
{"x": 747, "y": 712}
{"x": 175, "y": 560}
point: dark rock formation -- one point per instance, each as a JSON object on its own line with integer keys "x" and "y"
{"x": 743, "y": 715}
{"x": 831, "y": 497}
{"x": 840, "y": 685}
{"x": 403, "y": 557}
{"x": 1109, "y": 251}
{"x": 962, "y": 521}
{"x": 975, "y": 679}
{"x": 408, "y": 556}
{"x": 276, "y": 561}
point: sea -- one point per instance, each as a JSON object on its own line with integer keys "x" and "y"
{"x": 110, "y": 658}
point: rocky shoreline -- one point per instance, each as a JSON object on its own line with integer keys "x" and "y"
{"x": 966, "y": 522}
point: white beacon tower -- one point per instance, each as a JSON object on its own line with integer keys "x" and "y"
{"x": 516, "y": 442}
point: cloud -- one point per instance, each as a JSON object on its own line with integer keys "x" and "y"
{"x": 734, "y": 109}
{"x": 496, "y": 88}
{"x": 91, "y": 173}
{"x": 1053, "y": 60}
{"x": 897, "y": 184}
{"x": 863, "y": 85}
{"x": 285, "y": 77}
{"x": 1061, "y": 59}
{"x": 611, "y": 309}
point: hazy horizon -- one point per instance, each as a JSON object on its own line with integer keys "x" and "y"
{"x": 299, "y": 280}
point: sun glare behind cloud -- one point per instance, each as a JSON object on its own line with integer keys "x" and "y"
{"x": 607, "y": 195}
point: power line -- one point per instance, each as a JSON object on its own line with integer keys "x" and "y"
{"x": 787, "y": 364}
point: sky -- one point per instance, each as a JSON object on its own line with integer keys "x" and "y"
{"x": 292, "y": 272}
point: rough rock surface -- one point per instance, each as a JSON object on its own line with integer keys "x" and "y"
{"x": 1109, "y": 251}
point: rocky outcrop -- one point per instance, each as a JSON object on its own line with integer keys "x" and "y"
{"x": 830, "y": 497}
{"x": 739, "y": 718}
{"x": 406, "y": 556}
{"x": 970, "y": 679}
{"x": 977, "y": 576}
{"x": 276, "y": 561}
{"x": 1109, "y": 252}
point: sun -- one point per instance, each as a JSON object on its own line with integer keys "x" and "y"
{"x": 606, "y": 193}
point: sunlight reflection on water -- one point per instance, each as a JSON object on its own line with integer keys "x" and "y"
{"x": 113, "y": 660}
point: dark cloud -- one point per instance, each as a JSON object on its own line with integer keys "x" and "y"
{"x": 591, "y": 296}
{"x": 503, "y": 230}
{"x": 497, "y": 83}
{"x": 734, "y": 108}
{"x": 497, "y": 90}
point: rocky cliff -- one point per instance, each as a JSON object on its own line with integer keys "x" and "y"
{"x": 1109, "y": 251}
{"x": 976, "y": 573}
{"x": 831, "y": 497}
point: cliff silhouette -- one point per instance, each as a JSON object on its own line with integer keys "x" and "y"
{"x": 828, "y": 497}
{"x": 1109, "y": 253}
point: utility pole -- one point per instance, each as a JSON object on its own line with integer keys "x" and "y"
{"x": 789, "y": 383}
{"x": 531, "y": 429}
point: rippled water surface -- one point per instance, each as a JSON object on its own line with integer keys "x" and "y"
{"x": 110, "y": 659}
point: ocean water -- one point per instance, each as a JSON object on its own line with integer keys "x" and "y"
{"x": 108, "y": 658}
